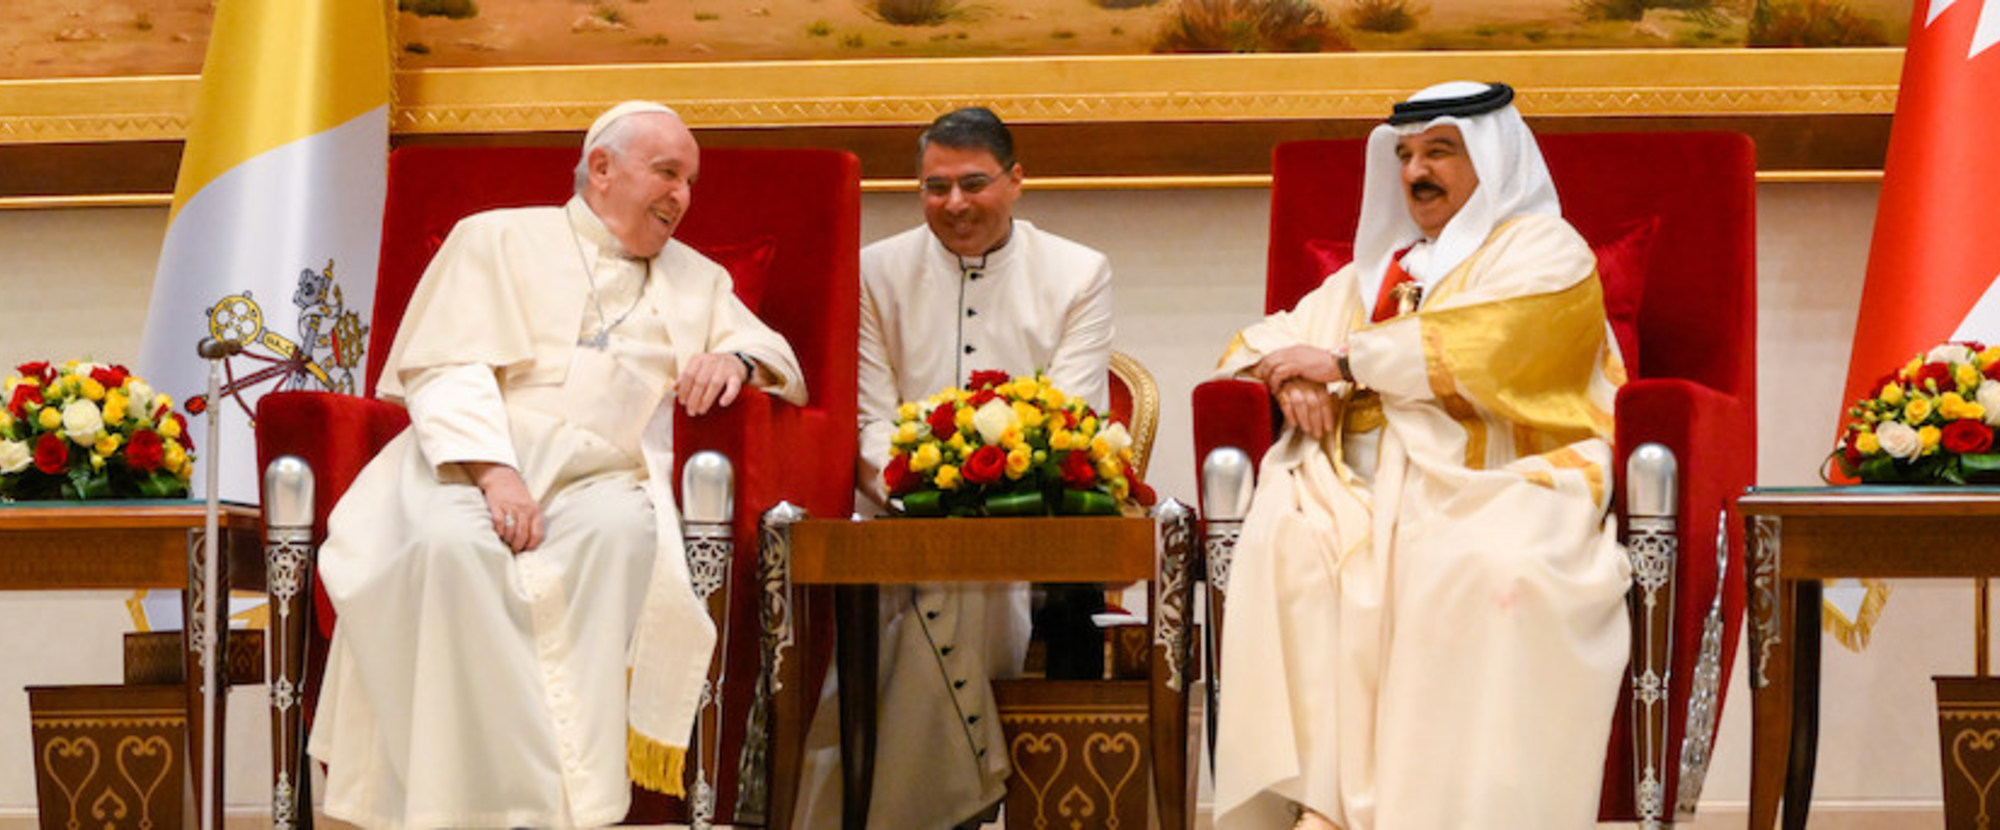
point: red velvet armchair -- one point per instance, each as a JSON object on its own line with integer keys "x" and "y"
{"x": 786, "y": 223}
{"x": 1672, "y": 218}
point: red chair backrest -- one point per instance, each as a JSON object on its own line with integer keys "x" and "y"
{"x": 797, "y": 200}
{"x": 1698, "y": 314}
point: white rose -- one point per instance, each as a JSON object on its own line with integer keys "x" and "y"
{"x": 1899, "y": 440}
{"x": 994, "y": 419}
{"x": 140, "y": 395}
{"x": 82, "y": 422}
{"x": 1116, "y": 436}
{"x": 14, "y": 456}
{"x": 1950, "y": 354}
{"x": 1989, "y": 397}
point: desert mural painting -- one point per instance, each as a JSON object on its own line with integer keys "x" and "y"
{"x": 81, "y": 38}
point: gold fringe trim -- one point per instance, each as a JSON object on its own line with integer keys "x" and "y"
{"x": 1854, "y": 633}
{"x": 654, "y": 765}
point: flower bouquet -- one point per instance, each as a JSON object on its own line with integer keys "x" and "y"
{"x": 1929, "y": 422}
{"x": 90, "y": 431}
{"x": 1009, "y": 447}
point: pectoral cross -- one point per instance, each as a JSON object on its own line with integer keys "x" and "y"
{"x": 599, "y": 341}
{"x": 1407, "y": 296}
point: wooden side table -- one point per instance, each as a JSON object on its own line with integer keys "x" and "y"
{"x": 1797, "y": 538}
{"x": 97, "y": 545}
{"x": 856, "y": 557}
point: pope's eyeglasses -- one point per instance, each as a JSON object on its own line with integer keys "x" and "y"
{"x": 969, "y": 184}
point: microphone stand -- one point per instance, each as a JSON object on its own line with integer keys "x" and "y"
{"x": 210, "y": 618}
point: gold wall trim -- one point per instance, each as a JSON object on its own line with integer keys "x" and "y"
{"x": 1052, "y": 183}
{"x": 1656, "y": 82}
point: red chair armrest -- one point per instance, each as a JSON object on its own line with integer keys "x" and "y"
{"x": 1232, "y": 413}
{"x": 1712, "y": 436}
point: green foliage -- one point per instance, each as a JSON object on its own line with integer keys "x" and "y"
{"x": 916, "y": 12}
{"x": 452, "y": 9}
{"x": 1384, "y": 16}
{"x": 1251, "y": 26}
{"x": 1812, "y": 23}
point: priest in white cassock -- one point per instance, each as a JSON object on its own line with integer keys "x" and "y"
{"x": 1426, "y": 623}
{"x": 972, "y": 289}
{"x": 506, "y": 563}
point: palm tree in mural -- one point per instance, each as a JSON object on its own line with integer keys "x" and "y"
{"x": 1251, "y": 26}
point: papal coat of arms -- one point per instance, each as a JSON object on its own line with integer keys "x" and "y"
{"x": 329, "y": 344}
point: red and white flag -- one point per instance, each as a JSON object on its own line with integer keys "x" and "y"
{"x": 1934, "y": 267}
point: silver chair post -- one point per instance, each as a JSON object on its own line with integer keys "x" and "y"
{"x": 1652, "y": 522}
{"x": 288, "y": 564}
{"x": 708, "y": 495}
{"x": 1228, "y": 477}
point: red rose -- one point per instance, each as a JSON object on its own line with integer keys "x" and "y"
{"x": 23, "y": 395}
{"x": 111, "y": 377}
{"x": 1966, "y": 436}
{"x": 1938, "y": 374}
{"x": 980, "y": 398}
{"x": 39, "y": 370}
{"x": 897, "y": 475}
{"x": 985, "y": 466}
{"x": 943, "y": 421}
{"x": 1849, "y": 451}
{"x": 1141, "y": 491}
{"x": 1069, "y": 418}
{"x": 51, "y": 453}
{"x": 186, "y": 438}
{"x": 146, "y": 452}
{"x": 986, "y": 379}
{"x": 1077, "y": 473}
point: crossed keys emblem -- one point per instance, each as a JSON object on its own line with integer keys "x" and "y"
{"x": 330, "y": 343}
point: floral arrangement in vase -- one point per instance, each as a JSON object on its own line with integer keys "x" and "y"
{"x": 90, "y": 431}
{"x": 1929, "y": 422}
{"x": 1009, "y": 446}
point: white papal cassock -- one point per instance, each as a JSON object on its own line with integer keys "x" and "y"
{"x": 929, "y": 319}
{"x": 472, "y": 687}
{"x": 1426, "y": 624}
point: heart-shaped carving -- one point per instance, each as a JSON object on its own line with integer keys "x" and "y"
{"x": 1029, "y": 744}
{"x": 145, "y": 754}
{"x": 62, "y": 758}
{"x": 1109, "y": 747}
{"x": 1983, "y": 747}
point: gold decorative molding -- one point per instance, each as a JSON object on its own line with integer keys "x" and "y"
{"x": 1151, "y": 88}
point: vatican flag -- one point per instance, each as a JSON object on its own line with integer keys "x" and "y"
{"x": 277, "y": 216}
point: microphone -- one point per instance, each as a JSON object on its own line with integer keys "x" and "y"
{"x": 213, "y": 349}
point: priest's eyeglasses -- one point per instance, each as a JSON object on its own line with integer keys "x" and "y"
{"x": 968, "y": 184}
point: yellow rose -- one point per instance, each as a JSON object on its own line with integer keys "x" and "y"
{"x": 1018, "y": 461}
{"x": 114, "y": 407}
{"x": 908, "y": 411}
{"x": 1986, "y": 358}
{"x": 49, "y": 418}
{"x": 958, "y": 445}
{"x": 1966, "y": 375}
{"x": 169, "y": 428}
{"x": 1060, "y": 439}
{"x": 1911, "y": 368}
{"x": 92, "y": 389}
{"x": 1916, "y": 409}
{"x": 1892, "y": 393}
{"x": 1026, "y": 389}
{"x": 1029, "y": 415}
{"x": 1868, "y": 444}
{"x": 1100, "y": 449}
{"x": 174, "y": 457}
{"x": 1108, "y": 469}
{"x": 1927, "y": 437}
{"x": 1089, "y": 426}
{"x": 947, "y": 477}
{"x": 106, "y": 444}
{"x": 1011, "y": 439}
{"x": 1053, "y": 398}
{"x": 6, "y": 421}
{"x": 906, "y": 432}
{"x": 926, "y": 457}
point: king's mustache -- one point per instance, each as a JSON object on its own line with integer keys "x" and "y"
{"x": 1425, "y": 189}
